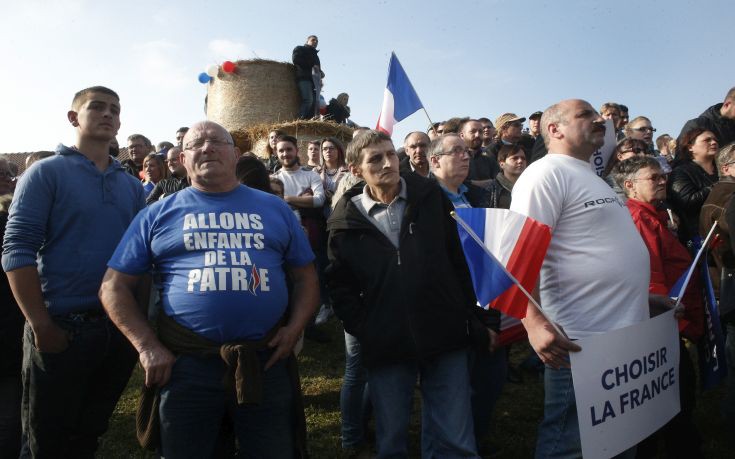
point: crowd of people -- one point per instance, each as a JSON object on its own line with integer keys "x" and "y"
{"x": 208, "y": 266}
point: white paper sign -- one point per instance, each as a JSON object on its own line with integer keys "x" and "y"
{"x": 601, "y": 157}
{"x": 626, "y": 384}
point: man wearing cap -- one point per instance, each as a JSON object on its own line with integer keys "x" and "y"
{"x": 509, "y": 132}
{"x": 534, "y": 125}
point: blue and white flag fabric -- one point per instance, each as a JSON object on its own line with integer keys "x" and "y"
{"x": 399, "y": 98}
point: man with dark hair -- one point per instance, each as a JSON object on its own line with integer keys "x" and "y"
{"x": 483, "y": 165}
{"x": 65, "y": 221}
{"x": 401, "y": 286}
{"x": 138, "y": 148}
{"x": 303, "y": 189}
{"x": 221, "y": 251}
{"x": 512, "y": 161}
{"x": 180, "y": 133}
{"x": 488, "y": 131}
{"x": 718, "y": 119}
{"x": 416, "y": 145}
{"x": 170, "y": 185}
{"x": 308, "y": 68}
{"x": 624, "y": 117}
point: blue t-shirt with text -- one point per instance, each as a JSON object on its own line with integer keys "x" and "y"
{"x": 217, "y": 258}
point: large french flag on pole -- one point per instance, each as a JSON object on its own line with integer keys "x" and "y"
{"x": 513, "y": 250}
{"x": 399, "y": 99}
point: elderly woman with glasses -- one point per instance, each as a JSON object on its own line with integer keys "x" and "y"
{"x": 694, "y": 173}
{"x": 644, "y": 184}
{"x": 626, "y": 148}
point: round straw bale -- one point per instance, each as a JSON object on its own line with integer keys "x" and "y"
{"x": 258, "y": 91}
{"x": 304, "y": 131}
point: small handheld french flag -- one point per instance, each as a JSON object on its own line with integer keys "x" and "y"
{"x": 399, "y": 98}
{"x": 514, "y": 247}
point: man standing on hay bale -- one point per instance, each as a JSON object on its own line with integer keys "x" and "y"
{"x": 308, "y": 72}
{"x": 227, "y": 330}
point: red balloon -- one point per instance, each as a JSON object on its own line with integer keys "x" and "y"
{"x": 228, "y": 67}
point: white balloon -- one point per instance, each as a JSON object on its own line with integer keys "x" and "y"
{"x": 212, "y": 70}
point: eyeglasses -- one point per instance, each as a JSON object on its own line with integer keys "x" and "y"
{"x": 456, "y": 151}
{"x": 645, "y": 129}
{"x": 7, "y": 175}
{"x": 198, "y": 144}
{"x": 172, "y": 161}
{"x": 655, "y": 178}
{"x": 636, "y": 150}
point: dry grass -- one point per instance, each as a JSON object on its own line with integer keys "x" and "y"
{"x": 516, "y": 416}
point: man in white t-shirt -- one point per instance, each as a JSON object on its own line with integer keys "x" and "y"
{"x": 596, "y": 272}
{"x": 301, "y": 188}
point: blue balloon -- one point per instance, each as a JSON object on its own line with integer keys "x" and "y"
{"x": 204, "y": 78}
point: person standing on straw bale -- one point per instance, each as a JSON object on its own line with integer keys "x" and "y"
{"x": 306, "y": 60}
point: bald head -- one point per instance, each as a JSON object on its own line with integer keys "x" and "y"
{"x": 209, "y": 157}
{"x": 572, "y": 127}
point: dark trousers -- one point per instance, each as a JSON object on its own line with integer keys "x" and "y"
{"x": 68, "y": 397}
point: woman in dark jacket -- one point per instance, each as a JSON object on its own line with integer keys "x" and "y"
{"x": 694, "y": 173}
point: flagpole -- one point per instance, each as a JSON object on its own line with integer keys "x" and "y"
{"x": 530, "y": 297}
{"x": 694, "y": 264}
{"x": 431, "y": 123}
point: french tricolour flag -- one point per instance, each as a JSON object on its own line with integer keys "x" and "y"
{"x": 518, "y": 245}
{"x": 399, "y": 99}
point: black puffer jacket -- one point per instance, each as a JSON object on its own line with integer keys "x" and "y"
{"x": 304, "y": 57}
{"x": 712, "y": 120}
{"x": 687, "y": 189}
{"x": 405, "y": 304}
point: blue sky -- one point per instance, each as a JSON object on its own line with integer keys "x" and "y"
{"x": 668, "y": 60}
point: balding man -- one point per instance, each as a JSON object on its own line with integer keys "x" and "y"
{"x": 221, "y": 251}
{"x": 595, "y": 275}
{"x": 416, "y": 145}
{"x": 176, "y": 182}
{"x": 483, "y": 167}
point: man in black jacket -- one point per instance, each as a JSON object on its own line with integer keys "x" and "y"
{"x": 718, "y": 119}
{"x": 306, "y": 60}
{"x": 401, "y": 286}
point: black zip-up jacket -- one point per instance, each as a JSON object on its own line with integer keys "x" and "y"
{"x": 713, "y": 121}
{"x": 411, "y": 303}
{"x": 305, "y": 57}
{"x": 687, "y": 189}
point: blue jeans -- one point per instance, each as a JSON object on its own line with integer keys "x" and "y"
{"x": 353, "y": 399}
{"x": 488, "y": 373}
{"x": 306, "y": 90}
{"x": 194, "y": 402}
{"x": 558, "y": 434}
{"x": 446, "y": 424}
{"x": 68, "y": 397}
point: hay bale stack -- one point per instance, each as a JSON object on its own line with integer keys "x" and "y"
{"x": 255, "y": 138}
{"x": 258, "y": 91}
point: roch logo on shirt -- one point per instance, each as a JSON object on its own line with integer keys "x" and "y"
{"x": 226, "y": 266}
{"x": 603, "y": 201}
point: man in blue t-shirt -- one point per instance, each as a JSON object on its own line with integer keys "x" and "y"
{"x": 220, "y": 252}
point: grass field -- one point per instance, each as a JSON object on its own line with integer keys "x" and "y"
{"x": 516, "y": 416}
